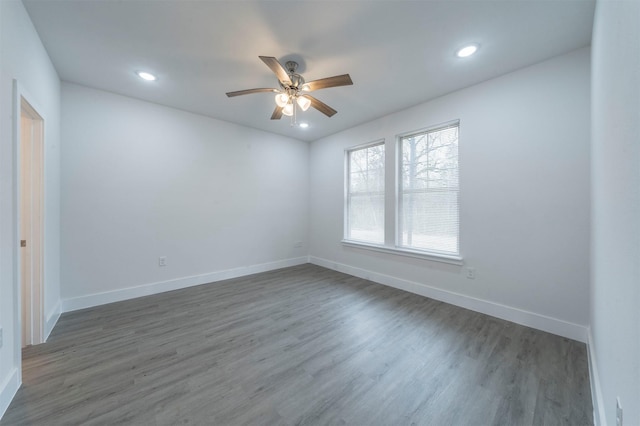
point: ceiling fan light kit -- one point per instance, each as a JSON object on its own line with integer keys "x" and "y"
{"x": 282, "y": 99}
{"x": 303, "y": 103}
{"x": 288, "y": 109}
{"x": 293, "y": 90}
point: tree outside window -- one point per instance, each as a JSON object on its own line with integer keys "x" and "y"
{"x": 365, "y": 194}
{"x": 429, "y": 191}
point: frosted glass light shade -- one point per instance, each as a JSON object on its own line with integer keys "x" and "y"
{"x": 282, "y": 99}
{"x": 304, "y": 103}
{"x": 288, "y": 110}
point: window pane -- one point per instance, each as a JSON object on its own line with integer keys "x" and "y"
{"x": 430, "y": 220}
{"x": 428, "y": 203}
{"x": 365, "y": 197}
{"x": 366, "y": 217}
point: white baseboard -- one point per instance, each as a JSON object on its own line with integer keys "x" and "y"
{"x": 8, "y": 389}
{"x": 52, "y": 319}
{"x": 518, "y": 316}
{"x": 97, "y": 299}
{"x": 599, "y": 418}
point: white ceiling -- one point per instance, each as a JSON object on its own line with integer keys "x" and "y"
{"x": 398, "y": 53}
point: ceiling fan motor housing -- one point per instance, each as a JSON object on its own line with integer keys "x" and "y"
{"x": 296, "y": 79}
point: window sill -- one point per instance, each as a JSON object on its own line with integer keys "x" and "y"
{"x": 444, "y": 258}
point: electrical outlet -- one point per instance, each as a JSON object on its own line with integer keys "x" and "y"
{"x": 618, "y": 412}
{"x": 471, "y": 273}
{"x": 162, "y": 261}
{"x": 298, "y": 244}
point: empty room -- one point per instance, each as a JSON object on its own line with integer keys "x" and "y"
{"x": 320, "y": 212}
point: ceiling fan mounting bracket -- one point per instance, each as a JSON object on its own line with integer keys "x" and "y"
{"x": 291, "y": 66}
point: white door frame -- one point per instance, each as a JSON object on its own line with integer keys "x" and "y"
{"x": 24, "y": 104}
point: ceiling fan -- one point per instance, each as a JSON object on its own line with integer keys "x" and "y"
{"x": 294, "y": 90}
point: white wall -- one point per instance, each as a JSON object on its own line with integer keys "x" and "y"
{"x": 524, "y": 158}
{"x": 615, "y": 286}
{"x": 140, "y": 181}
{"x": 23, "y": 58}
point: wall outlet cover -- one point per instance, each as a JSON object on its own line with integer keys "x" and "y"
{"x": 471, "y": 273}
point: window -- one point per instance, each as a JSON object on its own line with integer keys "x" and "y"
{"x": 365, "y": 194}
{"x": 428, "y": 207}
{"x": 421, "y": 201}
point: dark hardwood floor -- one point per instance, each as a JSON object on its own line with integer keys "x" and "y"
{"x": 302, "y": 345}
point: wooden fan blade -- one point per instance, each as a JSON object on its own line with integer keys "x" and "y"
{"x": 321, "y": 106}
{"x": 277, "y": 113}
{"x": 250, "y": 91}
{"x": 277, "y": 69}
{"x": 323, "y": 83}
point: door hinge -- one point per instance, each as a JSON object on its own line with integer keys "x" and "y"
{"x": 23, "y": 243}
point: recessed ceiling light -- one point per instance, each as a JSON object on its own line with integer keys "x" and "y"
{"x": 467, "y": 51}
{"x": 303, "y": 125}
{"x": 146, "y": 76}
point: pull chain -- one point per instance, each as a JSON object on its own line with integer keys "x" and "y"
{"x": 294, "y": 118}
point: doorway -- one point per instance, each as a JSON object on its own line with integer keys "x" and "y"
{"x": 30, "y": 204}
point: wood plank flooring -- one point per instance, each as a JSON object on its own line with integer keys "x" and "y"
{"x": 301, "y": 345}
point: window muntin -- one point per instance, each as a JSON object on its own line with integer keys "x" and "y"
{"x": 365, "y": 194}
{"x": 428, "y": 191}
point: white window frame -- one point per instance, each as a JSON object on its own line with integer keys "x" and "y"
{"x": 398, "y": 213}
{"x": 393, "y": 160}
